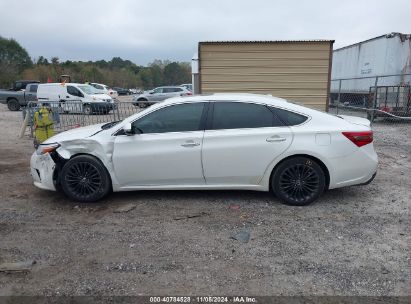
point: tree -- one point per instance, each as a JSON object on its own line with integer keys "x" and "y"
{"x": 42, "y": 61}
{"x": 55, "y": 60}
{"x": 13, "y": 60}
{"x": 175, "y": 74}
{"x": 15, "y": 63}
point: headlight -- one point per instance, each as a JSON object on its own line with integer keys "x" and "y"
{"x": 46, "y": 148}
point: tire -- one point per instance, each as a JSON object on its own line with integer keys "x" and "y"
{"x": 13, "y": 104}
{"x": 142, "y": 103}
{"x": 298, "y": 181}
{"x": 87, "y": 110}
{"x": 85, "y": 179}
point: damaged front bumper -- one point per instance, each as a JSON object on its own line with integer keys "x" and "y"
{"x": 42, "y": 169}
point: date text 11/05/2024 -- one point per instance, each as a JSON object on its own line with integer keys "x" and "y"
{"x": 203, "y": 299}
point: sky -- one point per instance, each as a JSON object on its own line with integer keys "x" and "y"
{"x": 142, "y": 31}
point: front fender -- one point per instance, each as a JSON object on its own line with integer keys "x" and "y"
{"x": 69, "y": 149}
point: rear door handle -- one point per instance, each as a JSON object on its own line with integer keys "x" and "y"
{"x": 190, "y": 143}
{"x": 276, "y": 138}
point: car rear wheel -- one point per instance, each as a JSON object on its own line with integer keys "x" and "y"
{"x": 85, "y": 179}
{"x": 143, "y": 103}
{"x": 13, "y": 105}
{"x": 298, "y": 181}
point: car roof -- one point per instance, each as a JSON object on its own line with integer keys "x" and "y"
{"x": 66, "y": 83}
{"x": 229, "y": 97}
{"x": 243, "y": 97}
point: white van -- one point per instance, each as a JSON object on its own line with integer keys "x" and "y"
{"x": 75, "y": 97}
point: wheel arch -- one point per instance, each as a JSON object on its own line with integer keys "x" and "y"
{"x": 60, "y": 162}
{"x": 316, "y": 159}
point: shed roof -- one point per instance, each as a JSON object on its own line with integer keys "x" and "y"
{"x": 264, "y": 41}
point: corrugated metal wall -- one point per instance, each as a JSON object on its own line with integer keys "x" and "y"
{"x": 297, "y": 71}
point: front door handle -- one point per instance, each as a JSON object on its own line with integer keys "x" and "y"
{"x": 190, "y": 143}
{"x": 276, "y": 138}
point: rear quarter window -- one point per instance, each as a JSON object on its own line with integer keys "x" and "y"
{"x": 290, "y": 118}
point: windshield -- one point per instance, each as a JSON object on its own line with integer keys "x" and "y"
{"x": 88, "y": 89}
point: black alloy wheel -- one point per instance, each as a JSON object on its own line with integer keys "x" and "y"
{"x": 298, "y": 181}
{"x": 85, "y": 179}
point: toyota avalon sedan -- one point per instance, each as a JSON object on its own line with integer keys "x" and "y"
{"x": 221, "y": 141}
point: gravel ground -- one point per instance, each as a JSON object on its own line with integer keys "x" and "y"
{"x": 353, "y": 241}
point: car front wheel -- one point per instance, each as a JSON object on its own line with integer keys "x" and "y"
{"x": 85, "y": 179}
{"x": 298, "y": 181}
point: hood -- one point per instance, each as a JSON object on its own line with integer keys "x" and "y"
{"x": 100, "y": 96}
{"x": 76, "y": 133}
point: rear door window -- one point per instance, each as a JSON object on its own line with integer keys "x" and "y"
{"x": 238, "y": 115}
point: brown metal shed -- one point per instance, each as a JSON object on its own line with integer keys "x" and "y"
{"x": 295, "y": 70}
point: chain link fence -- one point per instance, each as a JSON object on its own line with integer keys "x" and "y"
{"x": 379, "y": 99}
{"x": 74, "y": 113}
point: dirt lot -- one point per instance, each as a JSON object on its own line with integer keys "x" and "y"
{"x": 353, "y": 241}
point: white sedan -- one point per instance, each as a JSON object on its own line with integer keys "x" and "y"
{"x": 221, "y": 141}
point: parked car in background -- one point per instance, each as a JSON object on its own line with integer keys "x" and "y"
{"x": 122, "y": 91}
{"x": 159, "y": 94}
{"x": 104, "y": 89}
{"x": 15, "y": 99}
{"x": 136, "y": 91}
{"x": 221, "y": 141}
{"x": 76, "y": 97}
{"x": 188, "y": 86}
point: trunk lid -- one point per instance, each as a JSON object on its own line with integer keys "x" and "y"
{"x": 356, "y": 120}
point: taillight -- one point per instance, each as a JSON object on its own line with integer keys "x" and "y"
{"x": 189, "y": 94}
{"x": 359, "y": 138}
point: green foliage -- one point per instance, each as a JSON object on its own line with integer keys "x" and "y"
{"x": 13, "y": 60}
{"x": 115, "y": 73}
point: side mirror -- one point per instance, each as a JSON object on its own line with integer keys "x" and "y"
{"x": 151, "y": 92}
{"x": 128, "y": 129}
